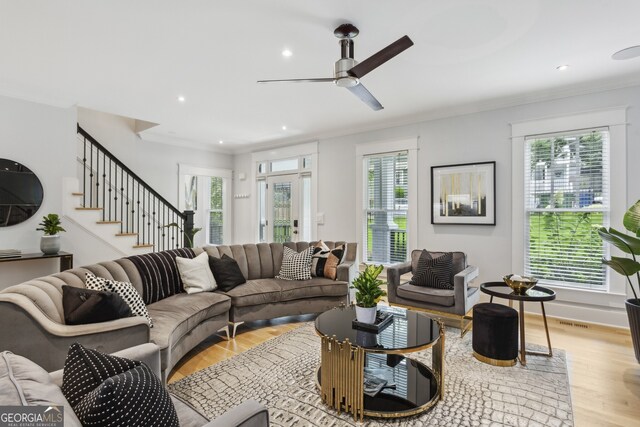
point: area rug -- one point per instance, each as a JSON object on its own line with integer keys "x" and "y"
{"x": 280, "y": 373}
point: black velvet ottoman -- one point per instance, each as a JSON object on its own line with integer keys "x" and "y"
{"x": 495, "y": 334}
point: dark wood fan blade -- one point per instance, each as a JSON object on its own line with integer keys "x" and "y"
{"x": 377, "y": 59}
{"x": 365, "y": 96}
{"x": 322, "y": 80}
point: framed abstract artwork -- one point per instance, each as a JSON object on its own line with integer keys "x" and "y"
{"x": 464, "y": 194}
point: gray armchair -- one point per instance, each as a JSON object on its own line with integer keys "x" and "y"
{"x": 454, "y": 304}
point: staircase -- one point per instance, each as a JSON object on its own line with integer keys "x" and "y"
{"x": 114, "y": 204}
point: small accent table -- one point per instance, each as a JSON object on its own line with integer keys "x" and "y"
{"x": 66, "y": 259}
{"x": 535, "y": 294}
{"x": 347, "y": 351}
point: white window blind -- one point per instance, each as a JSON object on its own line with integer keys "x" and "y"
{"x": 566, "y": 197}
{"x": 386, "y": 206}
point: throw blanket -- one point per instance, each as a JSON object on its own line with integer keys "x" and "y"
{"x": 159, "y": 272}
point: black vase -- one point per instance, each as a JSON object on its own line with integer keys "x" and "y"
{"x": 633, "y": 311}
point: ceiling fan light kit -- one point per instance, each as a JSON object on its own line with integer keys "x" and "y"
{"x": 347, "y": 72}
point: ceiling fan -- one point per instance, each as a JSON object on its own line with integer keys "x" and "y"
{"x": 348, "y": 72}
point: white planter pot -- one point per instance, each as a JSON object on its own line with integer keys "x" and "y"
{"x": 50, "y": 245}
{"x": 366, "y": 315}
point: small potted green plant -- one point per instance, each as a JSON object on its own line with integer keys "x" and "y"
{"x": 50, "y": 242}
{"x": 368, "y": 293}
{"x": 188, "y": 236}
{"x": 629, "y": 244}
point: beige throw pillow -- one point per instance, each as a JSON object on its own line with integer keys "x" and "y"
{"x": 195, "y": 274}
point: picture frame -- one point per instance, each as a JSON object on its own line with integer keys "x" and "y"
{"x": 464, "y": 194}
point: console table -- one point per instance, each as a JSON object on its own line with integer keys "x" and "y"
{"x": 66, "y": 259}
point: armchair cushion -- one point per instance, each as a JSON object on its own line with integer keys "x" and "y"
{"x": 434, "y": 272}
{"x": 443, "y": 297}
{"x": 459, "y": 260}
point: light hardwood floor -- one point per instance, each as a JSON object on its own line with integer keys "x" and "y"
{"x": 603, "y": 372}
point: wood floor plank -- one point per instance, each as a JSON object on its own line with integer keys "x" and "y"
{"x": 603, "y": 372}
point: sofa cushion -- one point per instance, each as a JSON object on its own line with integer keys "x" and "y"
{"x": 195, "y": 274}
{"x": 24, "y": 383}
{"x": 227, "y": 272}
{"x": 316, "y": 287}
{"x": 82, "y": 306}
{"x": 295, "y": 265}
{"x": 125, "y": 290}
{"x": 135, "y": 397}
{"x": 443, "y": 297}
{"x": 85, "y": 368}
{"x": 255, "y": 292}
{"x": 175, "y": 316}
{"x": 159, "y": 273}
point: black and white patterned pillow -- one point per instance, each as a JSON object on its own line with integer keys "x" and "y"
{"x": 434, "y": 272}
{"x": 132, "y": 398}
{"x": 126, "y": 291}
{"x": 84, "y": 369}
{"x": 296, "y": 266}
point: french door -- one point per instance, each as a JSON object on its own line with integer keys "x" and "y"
{"x": 283, "y": 208}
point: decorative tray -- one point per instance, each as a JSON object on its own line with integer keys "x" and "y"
{"x": 383, "y": 319}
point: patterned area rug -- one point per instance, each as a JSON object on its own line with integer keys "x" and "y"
{"x": 280, "y": 373}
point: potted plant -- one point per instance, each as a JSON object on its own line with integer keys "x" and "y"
{"x": 188, "y": 236}
{"x": 368, "y": 293}
{"x": 50, "y": 242}
{"x": 628, "y": 266}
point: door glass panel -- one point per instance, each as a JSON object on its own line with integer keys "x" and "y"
{"x": 284, "y": 165}
{"x": 216, "y": 235}
{"x": 305, "y": 217}
{"x": 262, "y": 211}
{"x": 282, "y": 205}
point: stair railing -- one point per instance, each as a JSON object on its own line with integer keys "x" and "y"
{"x": 126, "y": 199}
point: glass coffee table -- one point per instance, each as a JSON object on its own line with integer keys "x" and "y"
{"x": 350, "y": 356}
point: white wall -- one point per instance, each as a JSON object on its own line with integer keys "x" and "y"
{"x": 38, "y": 136}
{"x": 481, "y": 136}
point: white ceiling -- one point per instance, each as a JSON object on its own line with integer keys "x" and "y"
{"x": 134, "y": 58}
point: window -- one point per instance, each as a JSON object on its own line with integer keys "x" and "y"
{"x": 385, "y": 207}
{"x": 216, "y": 214}
{"x": 207, "y": 192}
{"x": 566, "y": 196}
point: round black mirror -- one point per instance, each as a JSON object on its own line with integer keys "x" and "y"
{"x": 20, "y": 193}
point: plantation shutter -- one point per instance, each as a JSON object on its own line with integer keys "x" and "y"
{"x": 386, "y": 206}
{"x": 566, "y": 196}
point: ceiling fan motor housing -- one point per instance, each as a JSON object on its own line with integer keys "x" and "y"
{"x": 341, "y": 72}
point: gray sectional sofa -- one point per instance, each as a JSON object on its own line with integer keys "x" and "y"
{"x": 32, "y": 317}
{"x": 22, "y": 383}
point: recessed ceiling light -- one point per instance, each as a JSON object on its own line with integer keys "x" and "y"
{"x": 287, "y": 53}
{"x": 284, "y": 127}
{"x": 627, "y": 53}
{"x": 181, "y": 98}
{"x": 562, "y": 67}
{"x": 220, "y": 142}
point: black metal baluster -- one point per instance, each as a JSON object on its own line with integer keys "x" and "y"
{"x": 84, "y": 173}
{"x": 91, "y": 176}
{"x": 144, "y": 213}
{"x": 104, "y": 190}
{"x": 155, "y": 222}
{"x": 127, "y": 203}
{"x": 122, "y": 199}
{"x": 164, "y": 230}
{"x": 109, "y": 187}
{"x": 115, "y": 198}
{"x": 149, "y": 238}
{"x": 137, "y": 228}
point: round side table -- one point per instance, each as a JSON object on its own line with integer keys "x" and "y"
{"x": 535, "y": 294}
